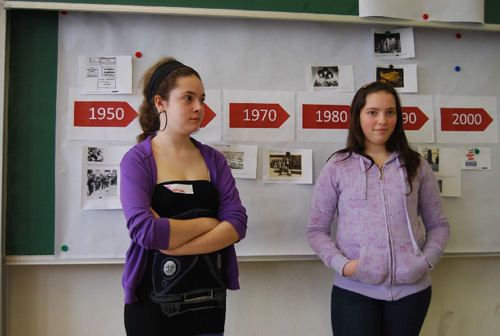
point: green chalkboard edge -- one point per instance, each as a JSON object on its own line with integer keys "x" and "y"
{"x": 332, "y": 11}
{"x": 339, "y": 7}
{"x": 29, "y": 133}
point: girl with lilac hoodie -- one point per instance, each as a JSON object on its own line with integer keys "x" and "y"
{"x": 381, "y": 191}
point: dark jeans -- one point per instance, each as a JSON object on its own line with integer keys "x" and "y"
{"x": 357, "y": 315}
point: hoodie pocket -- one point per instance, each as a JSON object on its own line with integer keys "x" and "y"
{"x": 373, "y": 267}
{"x": 410, "y": 268}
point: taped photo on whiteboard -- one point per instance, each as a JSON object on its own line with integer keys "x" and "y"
{"x": 100, "y": 187}
{"x": 394, "y": 43}
{"x": 339, "y": 78}
{"x": 445, "y": 163}
{"x": 402, "y": 77}
{"x": 288, "y": 166}
{"x": 242, "y": 159}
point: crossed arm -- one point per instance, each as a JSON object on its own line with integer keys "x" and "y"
{"x": 199, "y": 235}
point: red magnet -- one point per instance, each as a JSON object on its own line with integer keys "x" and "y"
{"x": 138, "y": 54}
{"x": 64, "y": 13}
{"x": 458, "y": 36}
{"x": 425, "y": 16}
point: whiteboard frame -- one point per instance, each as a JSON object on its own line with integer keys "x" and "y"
{"x": 182, "y": 11}
{"x": 234, "y": 13}
{"x": 48, "y": 260}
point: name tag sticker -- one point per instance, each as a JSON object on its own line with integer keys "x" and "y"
{"x": 180, "y": 188}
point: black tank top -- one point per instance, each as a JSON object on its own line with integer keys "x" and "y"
{"x": 145, "y": 317}
{"x": 169, "y": 200}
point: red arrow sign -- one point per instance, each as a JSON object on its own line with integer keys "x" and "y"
{"x": 413, "y": 118}
{"x": 103, "y": 114}
{"x": 325, "y": 116}
{"x": 209, "y": 115}
{"x": 256, "y": 115}
{"x": 464, "y": 119}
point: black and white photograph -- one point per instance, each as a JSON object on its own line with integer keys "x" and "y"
{"x": 338, "y": 78}
{"x": 242, "y": 159}
{"x": 387, "y": 43}
{"x": 394, "y": 43}
{"x": 236, "y": 160}
{"x": 325, "y": 76}
{"x": 102, "y": 183}
{"x": 95, "y": 154}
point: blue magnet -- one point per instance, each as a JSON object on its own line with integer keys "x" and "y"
{"x": 457, "y": 68}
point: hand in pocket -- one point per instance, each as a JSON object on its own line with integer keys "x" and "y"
{"x": 350, "y": 268}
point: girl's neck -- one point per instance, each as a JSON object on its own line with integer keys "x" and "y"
{"x": 167, "y": 142}
{"x": 379, "y": 154}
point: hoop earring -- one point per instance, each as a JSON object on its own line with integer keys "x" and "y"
{"x": 159, "y": 120}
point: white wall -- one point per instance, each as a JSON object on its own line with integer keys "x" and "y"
{"x": 277, "y": 298}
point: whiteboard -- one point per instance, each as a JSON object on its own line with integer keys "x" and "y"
{"x": 267, "y": 55}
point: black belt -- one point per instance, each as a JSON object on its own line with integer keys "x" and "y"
{"x": 194, "y": 296}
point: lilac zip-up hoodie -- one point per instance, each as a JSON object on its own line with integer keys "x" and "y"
{"x": 378, "y": 223}
{"x": 138, "y": 181}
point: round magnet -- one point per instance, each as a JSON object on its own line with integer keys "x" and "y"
{"x": 458, "y": 36}
{"x": 387, "y": 33}
{"x": 476, "y": 151}
{"x": 138, "y": 54}
{"x": 64, "y": 248}
{"x": 457, "y": 68}
{"x": 425, "y": 16}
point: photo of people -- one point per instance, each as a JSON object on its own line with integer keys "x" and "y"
{"x": 102, "y": 183}
{"x": 100, "y": 186}
{"x": 94, "y": 154}
{"x": 285, "y": 165}
{"x": 325, "y": 76}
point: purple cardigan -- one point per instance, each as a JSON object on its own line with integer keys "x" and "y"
{"x": 379, "y": 222}
{"x": 138, "y": 181}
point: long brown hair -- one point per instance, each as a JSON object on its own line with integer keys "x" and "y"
{"x": 396, "y": 142}
{"x": 148, "y": 114}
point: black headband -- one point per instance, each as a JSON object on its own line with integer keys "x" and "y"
{"x": 159, "y": 74}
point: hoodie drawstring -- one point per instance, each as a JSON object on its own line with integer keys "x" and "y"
{"x": 363, "y": 174}
{"x": 416, "y": 248}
